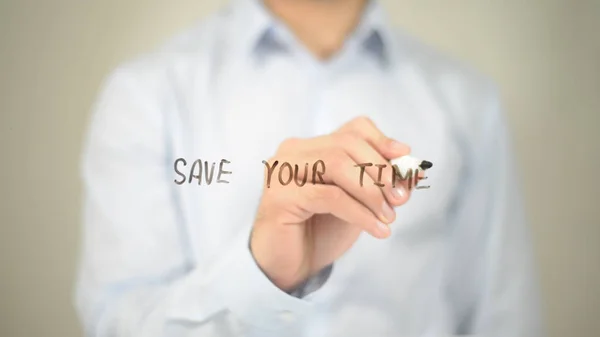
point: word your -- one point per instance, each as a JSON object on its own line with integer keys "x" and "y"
{"x": 411, "y": 175}
{"x": 196, "y": 172}
{"x": 318, "y": 169}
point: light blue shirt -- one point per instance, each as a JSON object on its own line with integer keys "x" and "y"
{"x": 162, "y": 259}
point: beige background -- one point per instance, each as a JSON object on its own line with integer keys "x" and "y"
{"x": 545, "y": 55}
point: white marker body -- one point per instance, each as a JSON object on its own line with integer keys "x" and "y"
{"x": 406, "y": 163}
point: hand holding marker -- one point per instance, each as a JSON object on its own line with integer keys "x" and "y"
{"x": 299, "y": 230}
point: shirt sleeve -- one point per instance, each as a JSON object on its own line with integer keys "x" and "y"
{"x": 493, "y": 288}
{"x": 136, "y": 275}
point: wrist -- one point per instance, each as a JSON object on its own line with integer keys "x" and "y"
{"x": 280, "y": 271}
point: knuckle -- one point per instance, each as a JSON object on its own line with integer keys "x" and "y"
{"x": 348, "y": 138}
{"x": 288, "y": 143}
{"x": 336, "y": 158}
{"x": 362, "y": 120}
{"x": 356, "y": 123}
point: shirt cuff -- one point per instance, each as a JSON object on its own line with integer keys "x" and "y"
{"x": 252, "y": 297}
{"x": 313, "y": 283}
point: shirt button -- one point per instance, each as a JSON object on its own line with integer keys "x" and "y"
{"x": 287, "y": 316}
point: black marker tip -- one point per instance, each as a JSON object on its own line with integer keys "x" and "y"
{"x": 426, "y": 165}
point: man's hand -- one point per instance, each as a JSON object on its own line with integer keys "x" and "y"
{"x": 300, "y": 230}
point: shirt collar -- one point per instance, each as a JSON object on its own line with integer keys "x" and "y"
{"x": 374, "y": 33}
{"x": 250, "y": 23}
{"x": 254, "y": 30}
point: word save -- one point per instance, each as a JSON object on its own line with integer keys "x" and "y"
{"x": 196, "y": 172}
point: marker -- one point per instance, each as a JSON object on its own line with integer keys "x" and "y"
{"x": 406, "y": 163}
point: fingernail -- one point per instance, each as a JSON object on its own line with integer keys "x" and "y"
{"x": 383, "y": 228}
{"x": 398, "y": 193}
{"x": 387, "y": 212}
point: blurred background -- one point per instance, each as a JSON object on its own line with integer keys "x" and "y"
{"x": 544, "y": 54}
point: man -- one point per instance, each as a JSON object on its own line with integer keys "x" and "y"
{"x": 326, "y": 85}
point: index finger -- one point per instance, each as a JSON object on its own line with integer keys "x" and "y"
{"x": 367, "y": 130}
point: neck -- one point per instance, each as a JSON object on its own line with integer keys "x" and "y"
{"x": 321, "y": 25}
